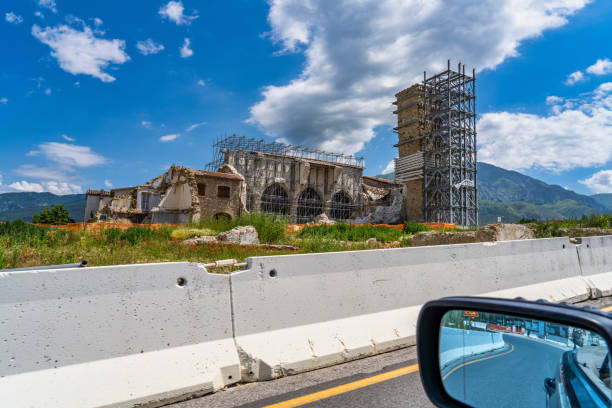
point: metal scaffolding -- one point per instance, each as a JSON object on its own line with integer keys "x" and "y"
{"x": 237, "y": 142}
{"x": 449, "y": 168}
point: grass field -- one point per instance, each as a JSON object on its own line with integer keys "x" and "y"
{"x": 23, "y": 244}
{"x": 552, "y": 228}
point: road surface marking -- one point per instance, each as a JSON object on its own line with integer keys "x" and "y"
{"x": 341, "y": 389}
{"x": 476, "y": 361}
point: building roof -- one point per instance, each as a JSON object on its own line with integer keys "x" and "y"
{"x": 98, "y": 193}
{"x": 215, "y": 174}
{"x": 382, "y": 180}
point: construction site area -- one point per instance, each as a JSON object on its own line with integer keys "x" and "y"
{"x": 435, "y": 173}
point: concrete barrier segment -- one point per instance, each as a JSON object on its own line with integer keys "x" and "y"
{"x": 457, "y": 344}
{"x": 595, "y": 254}
{"x": 114, "y": 336}
{"x": 301, "y": 312}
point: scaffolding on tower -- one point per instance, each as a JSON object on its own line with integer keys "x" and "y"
{"x": 449, "y": 148}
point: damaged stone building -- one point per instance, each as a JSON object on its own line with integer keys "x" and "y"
{"x": 249, "y": 175}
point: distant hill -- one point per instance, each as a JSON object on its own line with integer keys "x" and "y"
{"x": 22, "y": 206}
{"x": 512, "y": 196}
{"x": 603, "y": 199}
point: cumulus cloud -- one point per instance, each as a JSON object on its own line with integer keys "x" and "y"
{"x": 186, "y": 52}
{"x": 600, "y": 182}
{"x": 201, "y": 82}
{"x": 575, "y": 77}
{"x": 359, "y": 54}
{"x": 147, "y": 124}
{"x": 48, "y": 4}
{"x": 82, "y": 51}
{"x": 4, "y": 101}
{"x": 148, "y": 47}
{"x": 174, "y": 11}
{"x": 601, "y": 67}
{"x": 108, "y": 184}
{"x": 68, "y": 138}
{"x": 523, "y": 140}
{"x": 13, "y": 18}
{"x": 195, "y": 126}
{"x": 55, "y": 187}
{"x": 48, "y": 91}
{"x": 39, "y": 14}
{"x": 169, "y": 138}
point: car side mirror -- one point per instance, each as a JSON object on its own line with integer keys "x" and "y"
{"x": 483, "y": 352}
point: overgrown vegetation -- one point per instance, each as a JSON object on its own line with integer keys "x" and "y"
{"x": 271, "y": 229}
{"x": 411, "y": 227}
{"x": 555, "y": 227}
{"x": 56, "y": 215}
{"x": 349, "y": 232}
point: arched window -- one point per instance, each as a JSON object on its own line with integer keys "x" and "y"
{"x": 275, "y": 200}
{"x": 309, "y": 205}
{"x": 341, "y": 206}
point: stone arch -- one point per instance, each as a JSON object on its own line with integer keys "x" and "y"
{"x": 309, "y": 205}
{"x": 341, "y": 206}
{"x": 275, "y": 200}
{"x": 223, "y": 215}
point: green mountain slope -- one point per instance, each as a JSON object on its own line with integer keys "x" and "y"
{"x": 23, "y": 206}
{"x": 512, "y": 196}
{"x": 603, "y": 199}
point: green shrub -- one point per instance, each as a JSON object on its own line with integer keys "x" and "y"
{"x": 57, "y": 215}
{"x": 411, "y": 227}
{"x": 347, "y": 232}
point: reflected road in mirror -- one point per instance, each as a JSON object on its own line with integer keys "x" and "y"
{"x": 497, "y": 360}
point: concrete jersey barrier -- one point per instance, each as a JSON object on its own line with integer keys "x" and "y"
{"x": 456, "y": 344}
{"x": 114, "y": 336}
{"x": 595, "y": 254}
{"x": 301, "y": 312}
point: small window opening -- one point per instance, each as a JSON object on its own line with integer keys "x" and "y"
{"x": 223, "y": 192}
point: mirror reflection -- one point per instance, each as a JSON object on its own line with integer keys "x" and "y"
{"x": 489, "y": 359}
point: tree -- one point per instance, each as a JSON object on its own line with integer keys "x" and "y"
{"x": 56, "y": 215}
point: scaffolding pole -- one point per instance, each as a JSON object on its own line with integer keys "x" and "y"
{"x": 449, "y": 169}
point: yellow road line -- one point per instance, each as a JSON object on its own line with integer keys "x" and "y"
{"x": 477, "y": 361}
{"x": 341, "y": 389}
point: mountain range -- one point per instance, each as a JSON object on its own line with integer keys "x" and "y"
{"x": 501, "y": 193}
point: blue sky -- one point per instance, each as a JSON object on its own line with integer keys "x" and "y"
{"x": 94, "y": 95}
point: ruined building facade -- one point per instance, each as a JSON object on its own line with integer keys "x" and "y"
{"x": 250, "y": 175}
{"x": 437, "y": 148}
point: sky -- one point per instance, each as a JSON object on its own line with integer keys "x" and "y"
{"x": 109, "y": 94}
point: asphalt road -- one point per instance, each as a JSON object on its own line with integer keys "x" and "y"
{"x": 392, "y": 380}
{"x": 513, "y": 378}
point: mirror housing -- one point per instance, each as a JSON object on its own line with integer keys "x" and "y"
{"x": 432, "y": 313}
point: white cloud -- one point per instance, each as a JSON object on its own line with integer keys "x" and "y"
{"x": 27, "y": 186}
{"x": 600, "y": 182}
{"x": 201, "y": 82}
{"x": 48, "y": 4}
{"x": 68, "y": 138}
{"x": 601, "y": 67}
{"x": 148, "y": 47}
{"x": 147, "y": 124}
{"x": 108, "y": 184}
{"x": 82, "y": 52}
{"x": 390, "y": 167}
{"x": 77, "y": 84}
{"x": 575, "y": 77}
{"x": 186, "y": 52}
{"x": 55, "y": 187}
{"x": 4, "y": 101}
{"x": 169, "y": 138}
{"x": 359, "y": 55}
{"x": 575, "y": 134}
{"x": 13, "y": 18}
{"x": 97, "y": 21}
{"x": 39, "y": 14}
{"x": 173, "y": 11}
{"x": 69, "y": 154}
{"x": 195, "y": 126}
{"x": 48, "y": 91}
